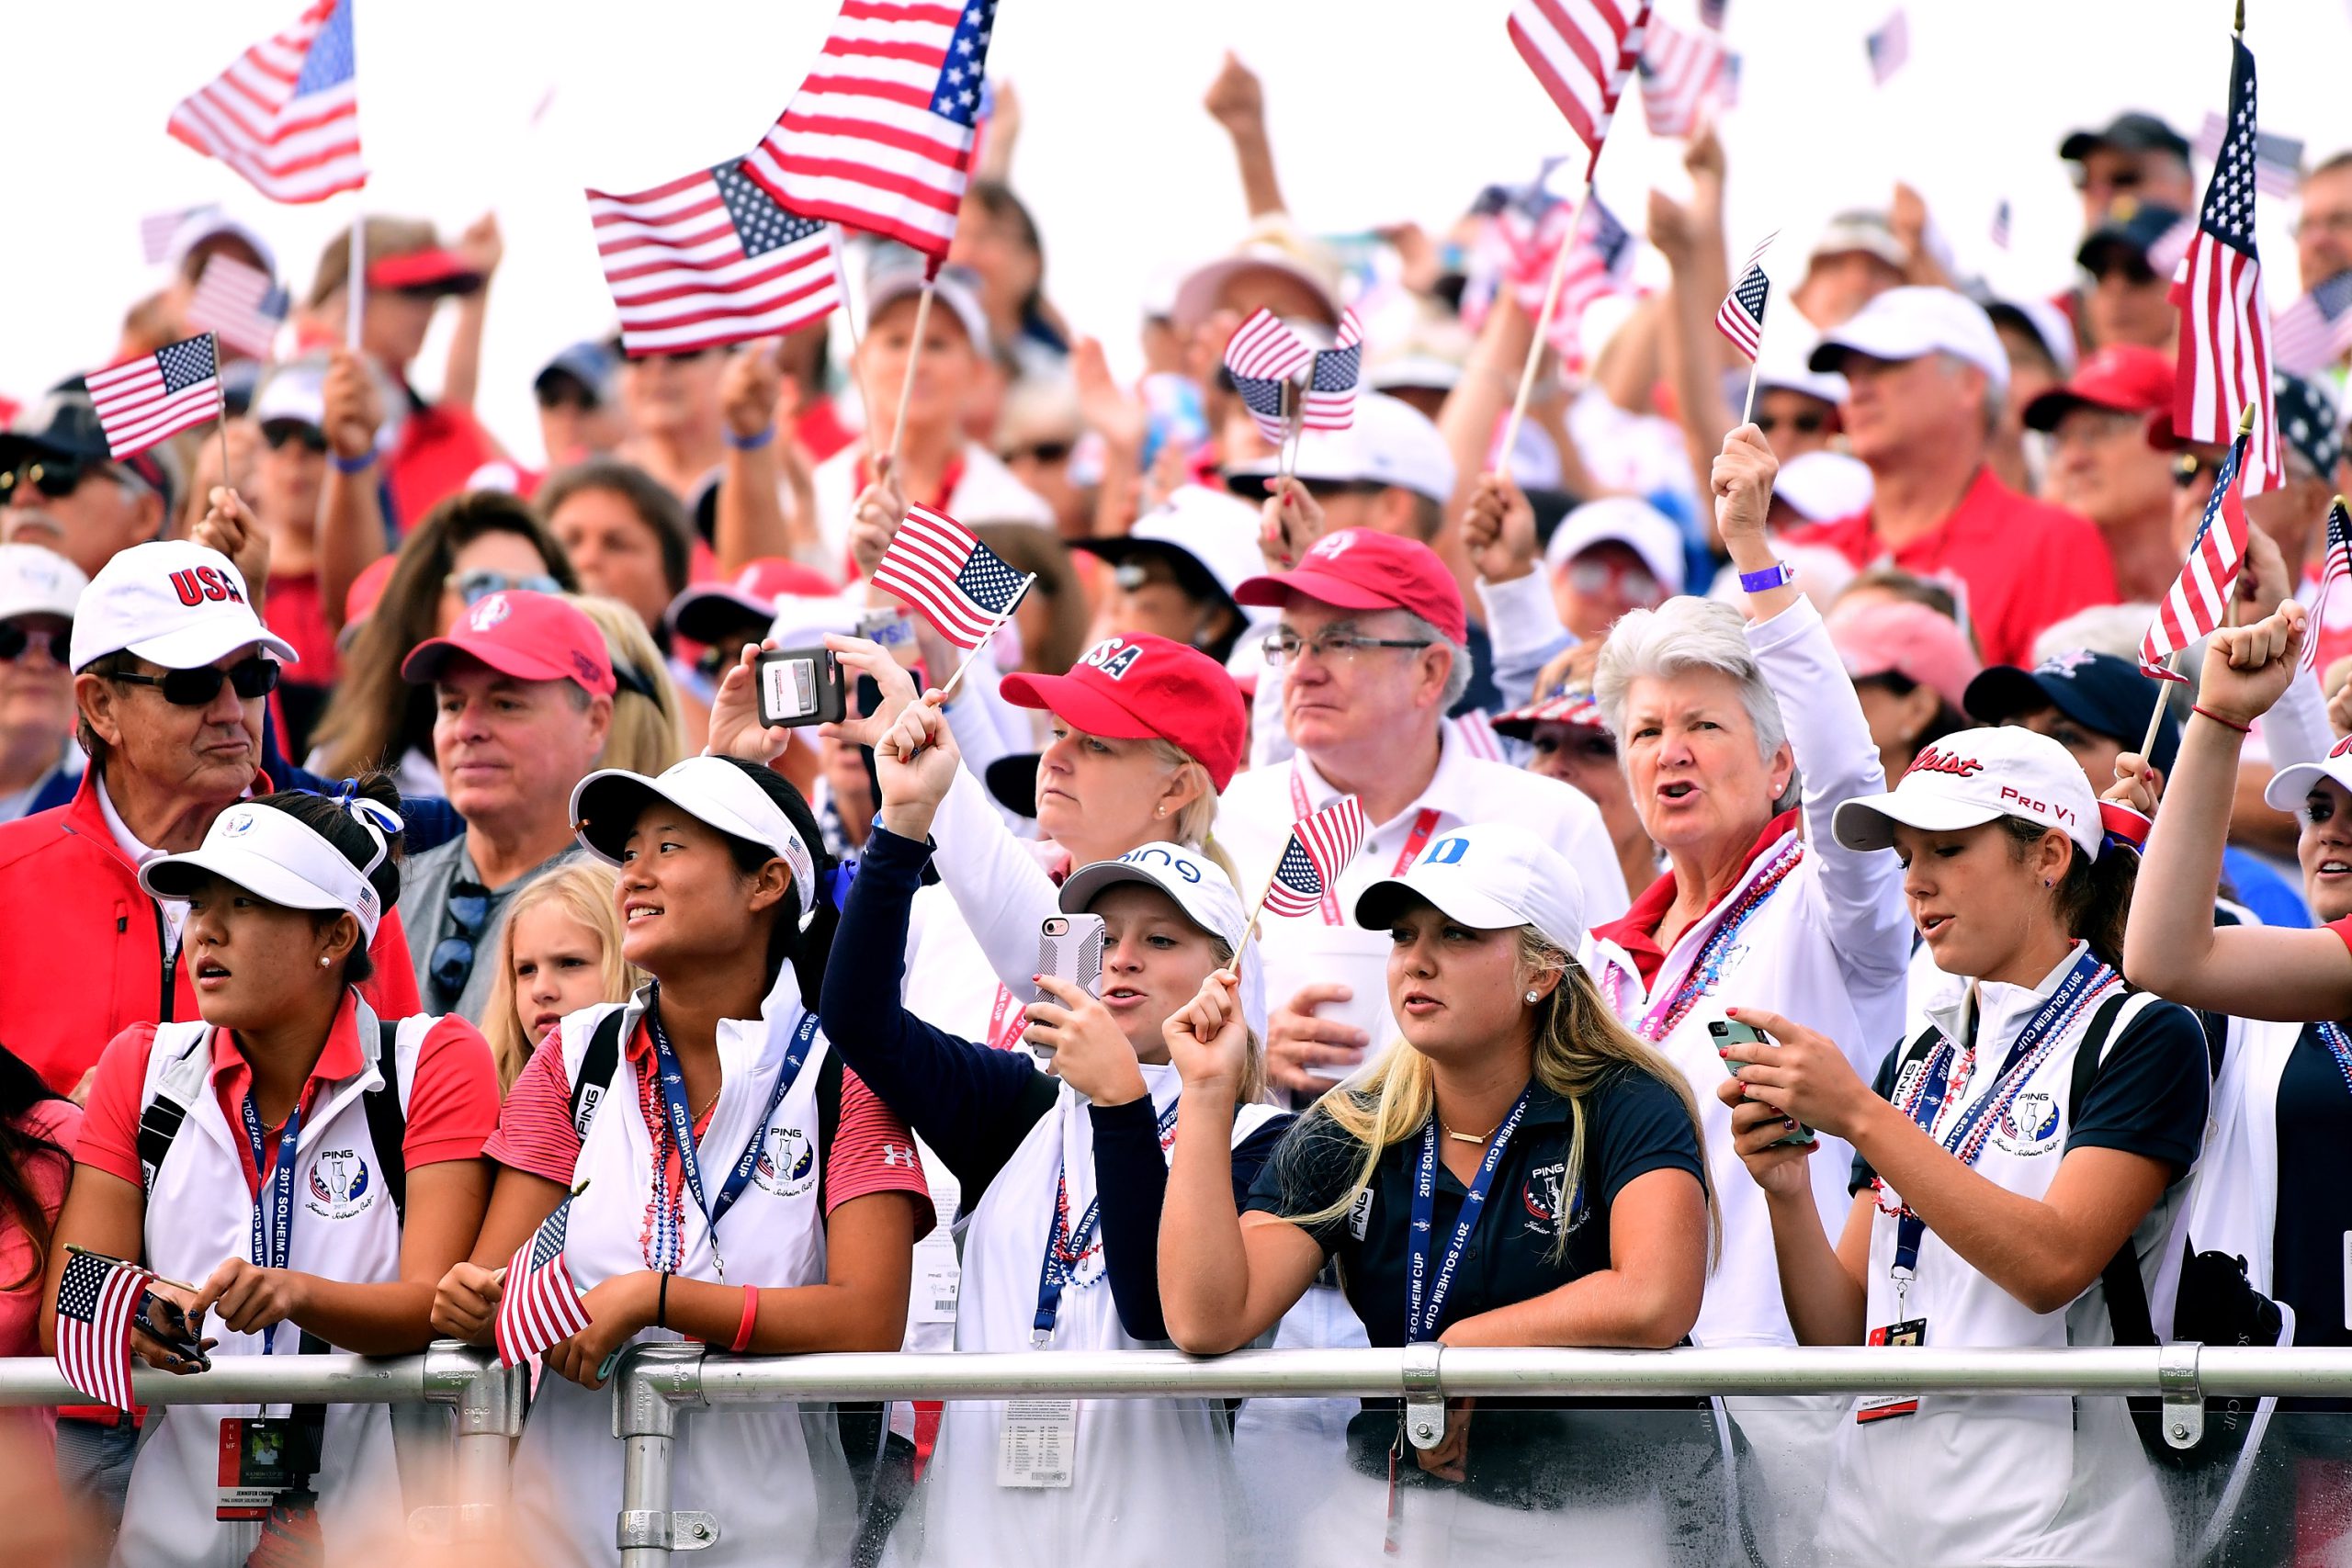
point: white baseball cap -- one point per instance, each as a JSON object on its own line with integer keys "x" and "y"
{"x": 2289, "y": 788}
{"x": 1786, "y": 362}
{"x": 272, "y": 855}
{"x": 1490, "y": 876}
{"x": 1218, "y": 531}
{"x": 1910, "y": 323}
{"x": 1390, "y": 441}
{"x": 35, "y": 581}
{"x": 895, "y": 273}
{"x": 1621, "y": 519}
{"x": 172, "y": 602}
{"x": 1199, "y": 888}
{"x": 1974, "y": 777}
{"x": 295, "y": 390}
{"x": 1821, "y": 487}
{"x": 714, "y": 791}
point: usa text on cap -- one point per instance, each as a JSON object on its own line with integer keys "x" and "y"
{"x": 170, "y": 603}
{"x": 1140, "y": 686}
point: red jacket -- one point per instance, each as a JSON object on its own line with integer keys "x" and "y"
{"x": 81, "y": 945}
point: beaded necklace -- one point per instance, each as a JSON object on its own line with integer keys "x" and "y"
{"x": 1714, "y": 953}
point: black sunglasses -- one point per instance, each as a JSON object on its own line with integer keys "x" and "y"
{"x": 255, "y": 677}
{"x": 14, "y": 639}
{"x": 2185, "y": 469}
{"x": 1807, "y": 423}
{"x": 281, "y": 433}
{"x": 452, "y": 963}
{"x": 55, "y": 477}
{"x": 1042, "y": 452}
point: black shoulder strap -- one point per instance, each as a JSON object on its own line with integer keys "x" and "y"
{"x": 387, "y": 1122}
{"x": 829, "y": 1120}
{"x": 2127, "y": 1294}
{"x": 159, "y": 1124}
{"x": 596, "y": 1069}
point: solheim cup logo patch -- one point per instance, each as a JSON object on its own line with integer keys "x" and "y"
{"x": 240, "y": 823}
{"x": 341, "y": 1186}
{"x": 489, "y": 612}
{"x": 2029, "y": 1126}
{"x": 787, "y": 1163}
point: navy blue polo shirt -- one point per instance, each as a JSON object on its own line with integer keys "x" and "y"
{"x": 2308, "y": 1252}
{"x": 1524, "y": 1453}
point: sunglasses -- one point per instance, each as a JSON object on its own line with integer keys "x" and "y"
{"x": 1591, "y": 575}
{"x": 55, "y": 477}
{"x": 255, "y": 677}
{"x": 475, "y": 586}
{"x": 1042, "y": 452}
{"x": 283, "y": 432}
{"x": 2188, "y": 469}
{"x": 1810, "y": 423}
{"x": 452, "y": 963}
{"x": 14, "y": 639}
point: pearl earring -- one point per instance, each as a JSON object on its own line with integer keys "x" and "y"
{"x": 1532, "y": 997}
{"x": 325, "y": 960}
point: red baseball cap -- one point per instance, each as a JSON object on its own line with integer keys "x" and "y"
{"x": 2125, "y": 378}
{"x": 708, "y": 610}
{"x": 444, "y": 272}
{"x": 532, "y": 637}
{"x": 1143, "y": 687}
{"x": 1360, "y": 568}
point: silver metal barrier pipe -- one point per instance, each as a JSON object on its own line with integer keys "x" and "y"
{"x": 489, "y": 1401}
{"x": 649, "y": 1386}
{"x": 236, "y": 1380}
{"x": 2241, "y": 1371}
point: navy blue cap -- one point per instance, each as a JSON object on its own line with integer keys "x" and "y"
{"x": 2097, "y": 691}
{"x": 2131, "y": 226}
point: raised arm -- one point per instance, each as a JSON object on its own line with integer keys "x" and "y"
{"x": 351, "y": 511}
{"x": 461, "y": 372}
{"x": 1237, "y": 102}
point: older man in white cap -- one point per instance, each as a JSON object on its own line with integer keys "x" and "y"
{"x": 40, "y": 764}
{"x": 1926, "y": 377}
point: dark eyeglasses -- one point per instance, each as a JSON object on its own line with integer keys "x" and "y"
{"x": 255, "y": 677}
{"x": 281, "y": 433}
{"x": 1810, "y": 423}
{"x": 14, "y": 639}
{"x": 2132, "y": 265}
{"x": 55, "y": 477}
{"x": 475, "y": 586}
{"x": 453, "y": 956}
{"x": 1042, "y": 452}
{"x": 2187, "y": 468}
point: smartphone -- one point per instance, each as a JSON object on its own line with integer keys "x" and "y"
{"x": 1070, "y": 947}
{"x": 163, "y": 1320}
{"x": 1732, "y": 1032}
{"x": 800, "y": 685}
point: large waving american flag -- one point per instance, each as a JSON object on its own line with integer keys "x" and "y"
{"x": 880, "y": 135}
{"x": 2224, "y": 356}
{"x": 286, "y": 113}
{"x": 95, "y": 1300}
{"x": 711, "y": 259}
{"x": 1321, "y": 845}
{"x": 935, "y": 564}
{"x": 539, "y": 1304}
{"x": 2199, "y": 596}
{"x": 1683, "y": 77}
{"x": 143, "y": 400}
{"x": 1581, "y": 50}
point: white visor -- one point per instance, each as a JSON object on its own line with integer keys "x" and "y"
{"x": 274, "y": 857}
{"x": 714, "y": 791}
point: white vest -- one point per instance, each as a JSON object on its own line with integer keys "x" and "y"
{"x": 773, "y": 1474}
{"x": 345, "y": 1227}
{"x": 1148, "y": 1474}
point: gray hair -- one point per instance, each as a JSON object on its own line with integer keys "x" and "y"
{"x": 1457, "y": 674}
{"x": 1682, "y": 634}
{"x": 1996, "y": 399}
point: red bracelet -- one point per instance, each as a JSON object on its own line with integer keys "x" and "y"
{"x": 751, "y": 1318}
{"x": 2225, "y": 723}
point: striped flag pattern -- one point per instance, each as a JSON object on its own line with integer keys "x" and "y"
{"x": 143, "y": 400}
{"x": 2337, "y": 567}
{"x": 286, "y": 113}
{"x": 95, "y": 1300}
{"x": 1264, "y": 357}
{"x": 2199, "y": 597}
{"x": 1683, "y": 76}
{"x": 2313, "y": 332}
{"x": 238, "y": 304}
{"x": 711, "y": 259}
{"x": 1321, "y": 843}
{"x": 2224, "y": 356}
{"x": 1740, "y": 317}
{"x": 539, "y": 1305}
{"x": 1331, "y": 400}
{"x": 1889, "y": 46}
{"x": 935, "y": 565}
{"x": 2278, "y": 160}
{"x": 880, "y": 135}
{"x": 1581, "y": 52}
{"x": 155, "y": 230}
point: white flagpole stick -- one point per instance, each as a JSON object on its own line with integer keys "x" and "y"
{"x": 356, "y": 289}
{"x": 994, "y": 627}
{"x": 2157, "y": 719}
{"x": 1747, "y": 409}
{"x": 221, "y": 415}
{"x": 1543, "y": 327}
{"x": 907, "y": 388}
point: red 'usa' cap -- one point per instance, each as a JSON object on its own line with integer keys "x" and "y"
{"x": 1359, "y": 569}
{"x": 1143, "y": 687}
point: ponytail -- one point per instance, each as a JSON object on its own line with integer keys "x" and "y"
{"x": 2094, "y": 896}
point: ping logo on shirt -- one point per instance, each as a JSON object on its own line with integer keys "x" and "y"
{"x": 1541, "y": 1197}
{"x": 196, "y": 585}
{"x": 2029, "y": 1126}
{"x": 1113, "y": 656}
{"x": 1360, "y": 1214}
{"x": 341, "y": 1186}
{"x": 1935, "y": 760}
{"x": 787, "y": 1164}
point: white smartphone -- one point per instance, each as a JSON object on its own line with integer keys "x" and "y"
{"x": 1070, "y": 947}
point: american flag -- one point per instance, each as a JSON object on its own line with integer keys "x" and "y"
{"x": 1683, "y": 75}
{"x": 286, "y": 113}
{"x": 1889, "y": 46}
{"x": 1741, "y": 315}
{"x": 1581, "y": 50}
{"x": 95, "y": 1300}
{"x": 2200, "y": 594}
{"x": 2001, "y": 225}
{"x": 711, "y": 259}
{"x": 2278, "y": 160}
{"x": 155, "y": 230}
{"x": 2225, "y": 359}
{"x": 1331, "y": 400}
{"x": 1264, "y": 357}
{"x": 539, "y": 1304}
{"x": 2337, "y": 568}
{"x": 2313, "y": 332}
{"x": 239, "y": 304}
{"x": 141, "y": 400}
{"x": 880, "y": 135}
{"x": 1321, "y": 845}
{"x": 938, "y": 567}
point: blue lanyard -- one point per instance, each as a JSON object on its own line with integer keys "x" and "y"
{"x": 1425, "y": 1297}
{"x": 673, "y": 1079}
{"x": 2087, "y": 975}
{"x": 273, "y": 1246}
{"x": 1066, "y": 1248}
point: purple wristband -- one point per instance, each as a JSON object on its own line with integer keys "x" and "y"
{"x": 750, "y": 443}
{"x": 1780, "y": 574}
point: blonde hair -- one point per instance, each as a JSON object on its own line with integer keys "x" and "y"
{"x": 646, "y": 735}
{"x": 1197, "y": 818}
{"x": 1577, "y": 1041}
{"x": 584, "y": 889}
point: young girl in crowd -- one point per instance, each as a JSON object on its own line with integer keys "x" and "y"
{"x": 311, "y": 1167}
{"x": 728, "y": 1181}
{"x": 559, "y": 950}
{"x": 1522, "y": 1171}
{"x": 1071, "y": 1173}
{"x": 2028, "y": 1135}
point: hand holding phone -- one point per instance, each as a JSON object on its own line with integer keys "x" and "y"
{"x": 1734, "y": 1035}
{"x": 801, "y": 686}
{"x": 1069, "y": 948}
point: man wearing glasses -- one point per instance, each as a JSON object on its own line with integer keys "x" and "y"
{"x": 60, "y": 491}
{"x": 2102, "y": 465}
{"x": 2134, "y": 155}
{"x": 170, "y": 671}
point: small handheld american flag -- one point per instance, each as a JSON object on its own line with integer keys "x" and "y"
{"x": 143, "y": 400}
{"x": 2313, "y": 332}
{"x": 96, "y": 1298}
{"x": 155, "y": 230}
{"x": 1264, "y": 358}
{"x": 1330, "y": 402}
{"x": 539, "y": 1304}
{"x": 711, "y": 259}
{"x": 239, "y": 304}
{"x": 2278, "y": 159}
{"x": 1321, "y": 843}
{"x": 1581, "y": 52}
{"x": 2337, "y": 568}
{"x": 964, "y": 588}
{"x": 2199, "y": 596}
{"x": 1889, "y": 47}
{"x": 1740, "y": 318}
{"x": 286, "y": 113}
{"x": 1683, "y": 77}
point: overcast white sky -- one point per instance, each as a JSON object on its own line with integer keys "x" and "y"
{"x": 1382, "y": 110}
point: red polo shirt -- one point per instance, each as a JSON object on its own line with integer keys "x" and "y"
{"x": 1636, "y": 931}
{"x": 2021, "y": 564}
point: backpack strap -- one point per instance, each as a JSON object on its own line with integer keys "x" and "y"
{"x": 2127, "y": 1294}
{"x": 181, "y": 1080}
{"x": 386, "y": 1122}
{"x": 601, "y": 1060}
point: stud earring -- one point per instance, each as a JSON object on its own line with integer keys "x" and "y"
{"x": 1531, "y": 998}
{"x": 325, "y": 960}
